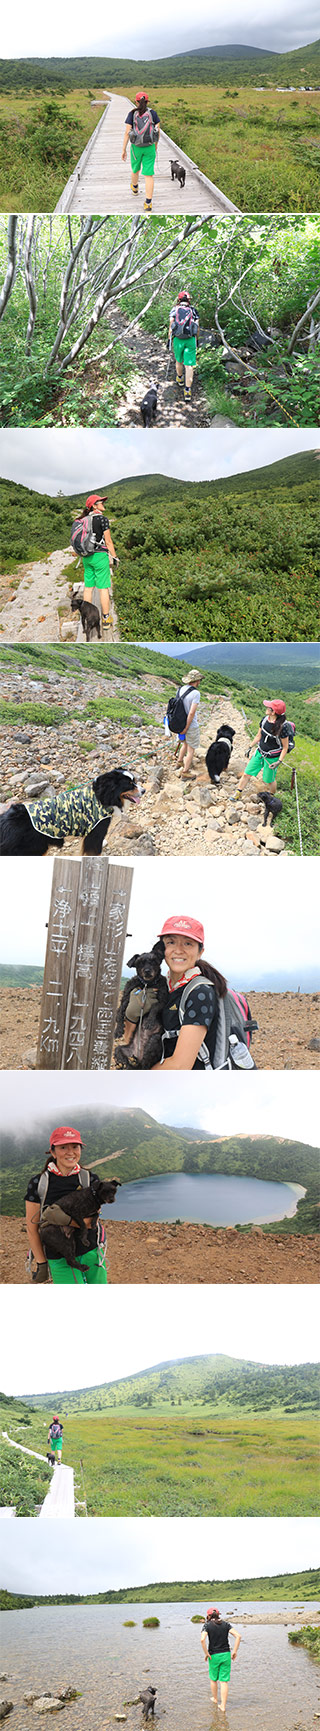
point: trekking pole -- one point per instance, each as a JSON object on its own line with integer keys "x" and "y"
{"x": 294, "y": 784}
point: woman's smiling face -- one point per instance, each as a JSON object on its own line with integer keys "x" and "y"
{"x": 181, "y": 953}
{"x": 66, "y": 1154}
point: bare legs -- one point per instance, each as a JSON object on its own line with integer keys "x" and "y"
{"x": 186, "y": 756}
{"x": 104, "y": 598}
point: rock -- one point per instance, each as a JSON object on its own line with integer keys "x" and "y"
{"x": 250, "y": 836}
{"x": 273, "y": 843}
{"x": 121, "y": 1718}
{"x": 38, "y": 785}
{"x": 24, "y": 738}
{"x": 5, "y": 1708}
{"x": 233, "y": 816}
{"x": 48, "y": 1704}
{"x": 145, "y": 845}
{"x": 29, "y": 1059}
{"x": 314, "y": 1045}
{"x": 205, "y": 796}
{"x": 69, "y": 1694}
{"x": 69, "y": 631}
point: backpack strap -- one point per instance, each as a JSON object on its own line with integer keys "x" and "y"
{"x": 203, "y": 1049}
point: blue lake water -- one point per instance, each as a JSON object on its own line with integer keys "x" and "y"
{"x": 204, "y": 1197}
{"x": 273, "y": 1685}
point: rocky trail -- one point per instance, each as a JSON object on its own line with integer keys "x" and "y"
{"x": 176, "y": 815}
{"x": 287, "y": 1038}
{"x": 154, "y": 363}
{"x": 184, "y": 1254}
{"x": 39, "y": 607}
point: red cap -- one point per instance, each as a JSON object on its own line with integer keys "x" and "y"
{"x": 64, "y": 1134}
{"x": 55, "y": 1419}
{"x": 94, "y": 500}
{"x": 141, "y": 94}
{"x": 186, "y": 926}
{"x": 212, "y": 1612}
{"x": 183, "y": 296}
{"x": 276, "y": 704}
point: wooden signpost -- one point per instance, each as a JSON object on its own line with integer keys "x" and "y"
{"x": 86, "y": 937}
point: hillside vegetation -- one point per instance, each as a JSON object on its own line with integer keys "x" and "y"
{"x": 62, "y": 73}
{"x": 151, "y": 1149}
{"x": 236, "y": 559}
{"x": 212, "y": 1380}
{"x": 267, "y": 1587}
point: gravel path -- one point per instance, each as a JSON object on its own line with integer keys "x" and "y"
{"x": 154, "y": 363}
{"x": 32, "y": 614}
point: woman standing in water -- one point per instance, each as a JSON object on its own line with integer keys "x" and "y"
{"x": 215, "y": 1646}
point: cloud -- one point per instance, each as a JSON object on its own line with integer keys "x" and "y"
{"x": 76, "y": 30}
{"x": 275, "y": 1103}
{"x": 76, "y": 460}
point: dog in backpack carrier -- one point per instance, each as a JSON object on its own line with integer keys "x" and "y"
{"x": 145, "y": 1048}
{"x": 61, "y": 1221}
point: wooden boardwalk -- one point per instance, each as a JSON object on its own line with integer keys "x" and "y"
{"x": 101, "y": 181}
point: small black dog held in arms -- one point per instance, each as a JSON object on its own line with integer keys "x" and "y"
{"x": 80, "y": 811}
{"x": 272, "y": 807}
{"x": 148, "y": 407}
{"x": 89, "y": 615}
{"x": 61, "y": 1221}
{"x": 140, "y": 1009}
{"x": 177, "y": 172}
{"x": 148, "y": 1700}
{"x": 219, "y": 753}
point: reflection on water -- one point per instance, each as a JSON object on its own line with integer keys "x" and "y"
{"x": 204, "y": 1197}
{"x": 89, "y": 1647}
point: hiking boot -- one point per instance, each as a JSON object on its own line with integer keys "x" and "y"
{"x": 179, "y": 380}
{"x": 187, "y": 393}
{"x": 148, "y": 206}
{"x": 134, "y": 189}
{"x": 106, "y": 623}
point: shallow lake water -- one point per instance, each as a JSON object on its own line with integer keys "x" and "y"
{"x": 205, "y": 1197}
{"x": 274, "y": 1687}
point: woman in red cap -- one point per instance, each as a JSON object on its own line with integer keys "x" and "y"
{"x": 190, "y": 1014}
{"x": 61, "y": 1174}
{"x": 142, "y": 127}
{"x": 183, "y": 330}
{"x": 216, "y": 1650}
{"x": 271, "y": 743}
{"x": 97, "y": 564}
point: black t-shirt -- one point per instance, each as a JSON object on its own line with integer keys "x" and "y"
{"x": 58, "y": 1187}
{"x": 271, "y": 738}
{"x": 133, "y": 111}
{"x": 217, "y": 1632}
{"x": 99, "y": 524}
{"x": 201, "y": 1009}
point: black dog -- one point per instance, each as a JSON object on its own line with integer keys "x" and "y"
{"x": 145, "y": 1048}
{"x": 219, "y": 753}
{"x": 61, "y": 1221}
{"x": 32, "y": 828}
{"x": 148, "y": 407}
{"x": 272, "y": 807}
{"x": 177, "y": 172}
{"x": 90, "y": 616}
{"x": 148, "y": 1700}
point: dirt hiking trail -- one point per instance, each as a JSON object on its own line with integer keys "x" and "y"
{"x": 151, "y": 1253}
{"x": 153, "y": 362}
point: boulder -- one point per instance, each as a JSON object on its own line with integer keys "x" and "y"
{"x": 273, "y": 843}
{"x": 314, "y": 1045}
{"x": 48, "y": 1704}
{"x": 38, "y": 785}
{"x": 5, "y": 1708}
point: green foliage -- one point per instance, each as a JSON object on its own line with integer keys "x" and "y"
{"x": 151, "y": 1623}
{"x": 24, "y": 1482}
{"x": 290, "y": 1587}
{"x": 16, "y": 975}
{"x": 308, "y": 1637}
{"x": 221, "y": 63}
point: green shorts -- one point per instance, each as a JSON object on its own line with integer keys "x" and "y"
{"x": 96, "y": 570}
{"x": 56, "y": 1445}
{"x": 268, "y": 766}
{"x": 220, "y": 1667}
{"x": 62, "y": 1275}
{"x": 142, "y": 156}
{"x": 185, "y": 349}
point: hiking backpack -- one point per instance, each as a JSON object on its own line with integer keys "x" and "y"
{"x": 56, "y": 1431}
{"x": 184, "y": 323}
{"x": 291, "y": 726}
{"x": 143, "y": 131}
{"x": 83, "y": 538}
{"x": 176, "y": 712}
{"x": 233, "y": 1035}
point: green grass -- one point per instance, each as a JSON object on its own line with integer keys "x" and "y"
{"x": 145, "y": 1466}
{"x": 42, "y": 140}
{"x": 307, "y": 1637}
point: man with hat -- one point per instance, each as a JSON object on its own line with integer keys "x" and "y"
{"x": 190, "y": 739}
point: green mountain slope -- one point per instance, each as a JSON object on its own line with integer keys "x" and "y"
{"x": 219, "y": 64}
{"x": 268, "y": 1587}
{"x": 208, "y": 1380}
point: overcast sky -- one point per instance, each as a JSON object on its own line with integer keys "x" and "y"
{"x": 280, "y": 1327}
{"x": 74, "y": 460}
{"x": 275, "y": 1103}
{"x": 228, "y": 895}
{"x": 77, "y": 30}
{"x": 90, "y": 1556}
